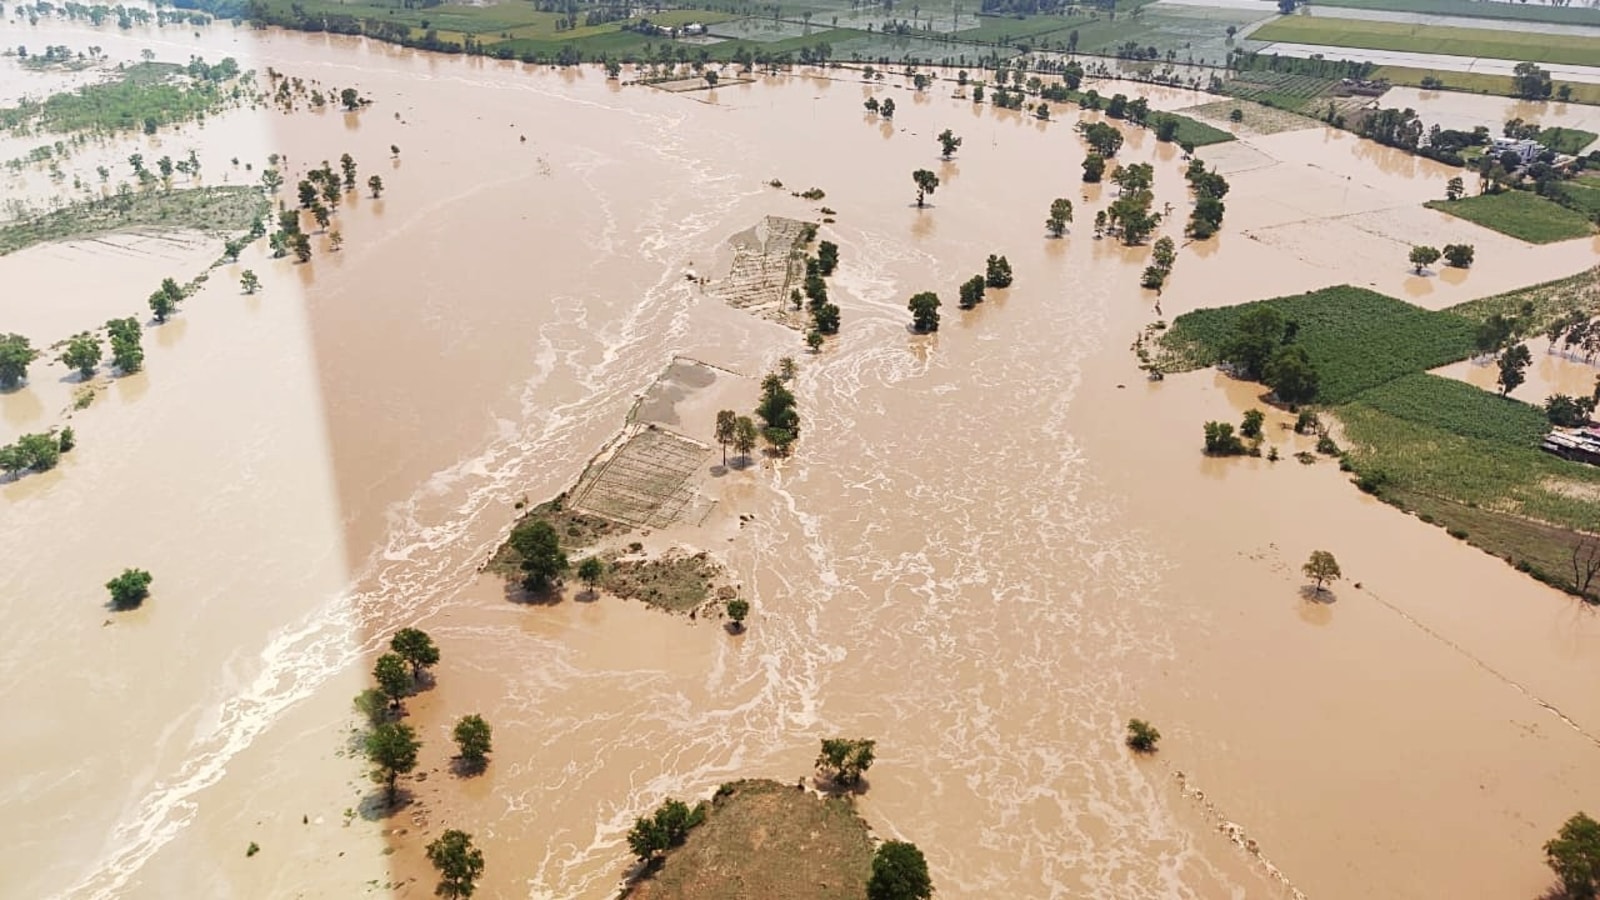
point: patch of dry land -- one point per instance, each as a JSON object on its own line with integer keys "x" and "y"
{"x": 764, "y": 839}
{"x": 990, "y": 547}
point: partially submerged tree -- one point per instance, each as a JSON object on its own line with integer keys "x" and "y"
{"x": 392, "y": 749}
{"x": 844, "y": 760}
{"x": 745, "y": 435}
{"x": 459, "y": 864}
{"x": 738, "y": 610}
{"x": 375, "y": 184}
{"x": 948, "y": 143}
{"x": 83, "y": 353}
{"x": 1060, "y": 215}
{"x": 590, "y": 571}
{"x": 1142, "y": 736}
{"x": 415, "y": 647}
{"x": 248, "y": 282}
{"x": 924, "y": 312}
{"x": 1513, "y": 367}
{"x": 667, "y": 828}
{"x": 1322, "y": 569}
{"x": 539, "y": 546}
{"x": 473, "y": 741}
{"x": 997, "y": 272}
{"x": 1423, "y": 256}
{"x": 971, "y": 292}
{"x": 927, "y": 183}
{"x": 1574, "y": 855}
{"x": 1458, "y": 255}
{"x": 15, "y": 356}
{"x": 726, "y": 420}
{"x": 129, "y": 589}
{"x": 393, "y": 678}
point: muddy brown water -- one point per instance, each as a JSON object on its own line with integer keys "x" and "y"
{"x": 994, "y": 544}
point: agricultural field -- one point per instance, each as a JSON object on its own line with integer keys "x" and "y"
{"x": 1193, "y": 131}
{"x": 1296, "y": 93}
{"x": 1481, "y": 9}
{"x": 1478, "y": 82}
{"x": 1523, "y": 215}
{"x": 1584, "y": 194}
{"x": 1357, "y": 339}
{"x": 225, "y": 210}
{"x": 1459, "y": 457}
{"x": 1474, "y": 42}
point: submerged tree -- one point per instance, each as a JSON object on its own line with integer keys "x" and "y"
{"x": 927, "y": 183}
{"x": 727, "y": 420}
{"x": 591, "y": 570}
{"x": 375, "y": 184}
{"x": 997, "y": 272}
{"x": 83, "y": 353}
{"x": 129, "y": 589}
{"x": 1513, "y": 365}
{"x": 738, "y": 609}
{"x": 1142, "y": 736}
{"x": 1574, "y": 855}
{"x": 459, "y": 864}
{"x": 745, "y": 435}
{"x": 248, "y": 282}
{"x": 1423, "y": 256}
{"x": 971, "y": 292}
{"x": 16, "y": 354}
{"x": 845, "y": 760}
{"x": 416, "y": 648}
{"x": 473, "y": 741}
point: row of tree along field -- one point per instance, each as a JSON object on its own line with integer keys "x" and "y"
{"x": 1460, "y": 457}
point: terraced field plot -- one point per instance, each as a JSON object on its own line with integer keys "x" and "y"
{"x": 1280, "y": 89}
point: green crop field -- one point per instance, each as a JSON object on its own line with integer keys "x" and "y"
{"x": 1480, "y": 9}
{"x": 1566, "y": 140}
{"x": 1193, "y": 131}
{"x": 1484, "y": 42}
{"x": 1282, "y": 90}
{"x": 1459, "y": 408}
{"x": 1357, "y": 339}
{"x": 1521, "y": 214}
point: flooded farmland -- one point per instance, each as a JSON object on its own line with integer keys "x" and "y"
{"x": 992, "y": 546}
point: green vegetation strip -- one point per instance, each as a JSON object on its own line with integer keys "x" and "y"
{"x": 1463, "y": 458}
{"x": 1478, "y": 83}
{"x": 144, "y": 95}
{"x": 1192, "y": 131}
{"x": 215, "y": 210}
{"x": 1479, "y": 42}
{"x": 764, "y": 839}
{"x": 1356, "y": 338}
{"x": 1521, "y": 214}
{"x": 1481, "y": 9}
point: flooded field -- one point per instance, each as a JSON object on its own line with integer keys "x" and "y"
{"x": 992, "y": 546}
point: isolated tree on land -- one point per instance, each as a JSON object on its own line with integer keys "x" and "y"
{"x": 845, "y": 760}
{"x": 392, "y": 749}
{"x": 924, "y": 312}
{"x": 473, "y": 741}
{"x": 16, "y": 354}
{"x": 1423, "y": 256}
{"x": 539, "y": 546}
{"x": 899, "y": 872}
{"x": 1574, "y": 855}
{"x": 129, "y": 589}
{"x": 1060, "y": 215}
{"x": 926, "y": 182}
{"x": 1513, "y": 366}
{"x": 591, "y": 570}
{"x": 1321, "y": 568}
{"x": 1142, "y": 736}
{"x": 415, "y": 647}
{"x": 948, "y": 143}
{"x": 738, "y": 610}
{"x": 83, "y": 353}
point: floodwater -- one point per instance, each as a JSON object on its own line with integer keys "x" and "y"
{"x": 992, "y": 547}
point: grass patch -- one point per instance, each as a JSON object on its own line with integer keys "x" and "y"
{"x": 764, "y": 839}
{"x": 577, "y": 530}
{"x": 223, "y": 210}
{"x": 1523, "y": 215}
{"x": 1584, "y": 197}
{"x": 1509, "y": 45}
{"x": 1458, "y": 408}
{"x": 674, "y": 582}
{"x": 1357, "y": 339}
{"x": 1480, "y": 9}
{"x": 1478, "y": 83}
{"x": 1566, "y": 140}
{"x": 1193, "y": 131}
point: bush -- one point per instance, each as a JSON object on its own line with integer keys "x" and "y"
{"x": 1221, "y": 441}
{"x": 129, "y": 589}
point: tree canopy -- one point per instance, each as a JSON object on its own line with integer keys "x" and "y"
{"x": 1574, "y": 855}
{"x": 845, "y": 760}
{"x": 927, "y": 183}
{"x": 1321, "y": 568}
{"x": 539, "y": 546}
{"x": 415, "y": 647}
{"x": 924, "y": 311}
{"x": 129, "y": 589}
{"x": 459, "y": 864}
{"x": 15, "y": 357}
{"x": 392, "y": 749}
{"x": 472, "y": 736}
{"x": 899, "y": 872}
